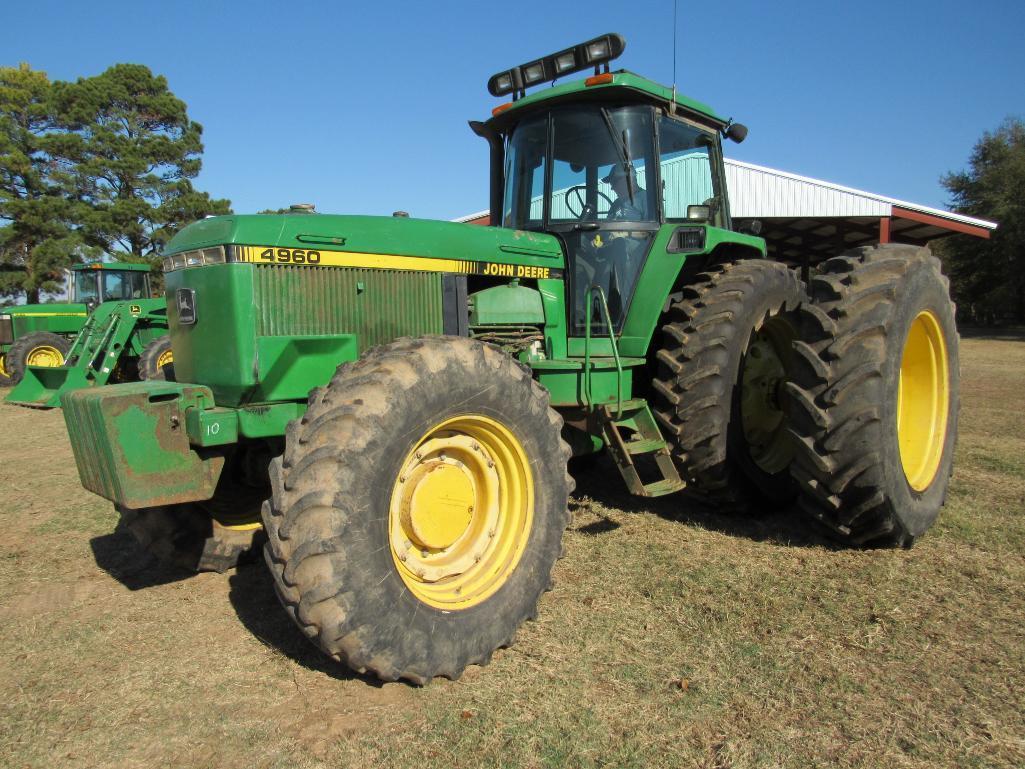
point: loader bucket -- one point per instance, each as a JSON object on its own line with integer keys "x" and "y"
{"x": 42, "y": 387}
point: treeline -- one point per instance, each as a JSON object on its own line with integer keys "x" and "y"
{"x": 987, "y": 277}
{"x": 100, "y": 166}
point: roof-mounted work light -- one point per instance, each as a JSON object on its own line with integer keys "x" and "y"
{"x": 593, "y": 53}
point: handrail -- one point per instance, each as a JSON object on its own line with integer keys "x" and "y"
{"x": 587, "y": 350}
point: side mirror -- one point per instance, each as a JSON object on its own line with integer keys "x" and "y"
{"x": 699, "y": 213}
{"x": 737, "y": 132}
{"x": 751, "y": 227}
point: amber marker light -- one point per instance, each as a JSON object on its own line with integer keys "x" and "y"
{"x": 599, "y": 79}
{"x": 501, "y": 108}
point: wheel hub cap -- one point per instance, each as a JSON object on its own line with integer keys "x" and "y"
{"x": 461, "y": 511}
{"x": 438, "y": 506}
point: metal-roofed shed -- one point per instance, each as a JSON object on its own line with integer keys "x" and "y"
{"x": 805, "y": 220}
{"x": 810, "y": 219}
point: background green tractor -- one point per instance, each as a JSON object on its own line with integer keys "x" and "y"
{"x": 391, "y": 403}
{"x": 41, "y": 335}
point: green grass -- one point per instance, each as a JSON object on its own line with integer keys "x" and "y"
{"x": 673, "y": 637}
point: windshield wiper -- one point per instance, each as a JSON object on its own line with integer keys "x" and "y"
{"x": 624, "y": 151}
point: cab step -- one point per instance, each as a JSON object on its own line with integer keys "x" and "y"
{"x": 646, "y": 439}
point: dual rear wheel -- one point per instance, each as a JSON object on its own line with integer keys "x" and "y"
{"x": 841, "y": 395}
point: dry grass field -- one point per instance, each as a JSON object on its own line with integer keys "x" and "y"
{"x": 673, "y": 637}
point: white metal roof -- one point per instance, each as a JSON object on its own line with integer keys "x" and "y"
{"x": 757, "y": 192}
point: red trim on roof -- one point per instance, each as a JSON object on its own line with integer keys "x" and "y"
{"x": 939, "y": 221}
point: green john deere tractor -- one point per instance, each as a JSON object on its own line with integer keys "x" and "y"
{"x": 42, "y": 335}
{"x": 391, "y": 403}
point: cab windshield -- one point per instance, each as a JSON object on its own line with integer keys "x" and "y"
{"x": 598, "y": 168}
{"x": 95, "y": 286}
{"x": 86, "y": 286}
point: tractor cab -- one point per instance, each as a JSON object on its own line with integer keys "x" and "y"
{"x": 603, "y": 164}
{"x": 99, "y": 282}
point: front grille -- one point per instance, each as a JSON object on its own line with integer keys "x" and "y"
{"x": 376, "y": 305}
{"x": 6, "y": 330}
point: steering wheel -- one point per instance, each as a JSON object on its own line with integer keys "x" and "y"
{"x": 577, "y": 192}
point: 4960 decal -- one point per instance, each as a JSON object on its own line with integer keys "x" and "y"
{"x": 331, "y": 258}
{"x": 290, "y": 256}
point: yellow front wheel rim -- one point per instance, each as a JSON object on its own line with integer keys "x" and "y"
{"x": 461, "y": 512}
{"x": 165, "y": 358}
{"x": 923, "y": 400}
{"x": 3, "y": 365}
{"x": 45, "y": 355}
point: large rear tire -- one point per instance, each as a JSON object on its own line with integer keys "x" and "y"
{"x": 38, "y": 349}
{"x": 419, "y": 508}
{"x": 157, "y": 360}
{"x": 874, "y": 402}
{"x": 726, "y": 356}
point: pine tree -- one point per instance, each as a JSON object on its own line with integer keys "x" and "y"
{"x": 133, "y": 153}
{"x": 37, "y": 242}
{"x": 988, "y": 276}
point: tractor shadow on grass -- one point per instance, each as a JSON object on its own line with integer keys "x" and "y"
{"x": 600, "y": 483}
{"x": 251, "y": 593}
{"x": 121, "y": 556}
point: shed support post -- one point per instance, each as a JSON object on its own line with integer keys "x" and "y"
{"x": 884, "y": 230}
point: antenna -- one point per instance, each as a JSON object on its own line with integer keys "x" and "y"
{"x": 672, "y": 103}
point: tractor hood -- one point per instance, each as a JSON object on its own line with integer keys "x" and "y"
{"x": 44, "y": 310}
{"x": 360, "y": 236}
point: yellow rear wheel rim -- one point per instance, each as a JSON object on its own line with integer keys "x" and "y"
{"x": 923, "y": 400}
{"x": 165, "y": 358}
{"x": 44, "y": 355}
{"x": 461, "y": 512}
{"x": 761, "y": 381}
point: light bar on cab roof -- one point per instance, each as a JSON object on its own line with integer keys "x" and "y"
{"x": 593, "y": 53}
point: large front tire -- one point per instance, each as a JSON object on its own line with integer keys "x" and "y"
{"x": 37, "y": 349}
{"x": 419, "y": 508}
{"x": 874, "y": 401}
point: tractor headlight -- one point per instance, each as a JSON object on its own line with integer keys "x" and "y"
{"x": 195, "y": 258}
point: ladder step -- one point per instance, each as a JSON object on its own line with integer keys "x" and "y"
{"x": 645, "y": 446}
{"x": 661, "y": 488}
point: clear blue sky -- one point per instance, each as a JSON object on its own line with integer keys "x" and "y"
{"x": 362, "y": 107}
